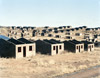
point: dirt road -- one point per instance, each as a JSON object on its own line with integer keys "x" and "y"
{"x": 87, "y": 73}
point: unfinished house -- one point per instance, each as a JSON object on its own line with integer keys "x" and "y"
{"x": 73, "y": 46}
{"x": 15, "y": 48}
{"x": 88, "y": 46}
{"x": 49, "y": 47}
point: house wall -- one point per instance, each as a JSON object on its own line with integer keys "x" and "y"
{"x": 7, "y": 49}
{"x": 69, "y": 46}
{"x": 90, "y": 47}
{"x": 97, "y": 44}
{"x": 80, "y": 48}
{"x": 28, "y": 53}
{"x": 60, "y": 50}
{"x": 43, "y": 48}
{"x": 77, "y": 49}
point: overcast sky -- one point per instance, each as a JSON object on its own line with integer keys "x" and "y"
{"x": 50, "y": 13}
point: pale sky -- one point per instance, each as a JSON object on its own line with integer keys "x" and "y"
{"x": 50, "y": 13}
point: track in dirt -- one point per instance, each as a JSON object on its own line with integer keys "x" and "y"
{"x": 86, "y": 73}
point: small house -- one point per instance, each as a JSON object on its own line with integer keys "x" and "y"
{"x": 69, "y": 26}
{"x": 88, "y": 29}
{"x": 50, "y": 35}
{"x": 97, "y": 44}
{"x": 84, "y": 26}
{"x": 50, "y": 30}
{"x": 88, "y": 46}
{"x": 88, "y": 36}
{"x": 60, "y": 27}
{"x": 30, "y": 47}
{"x": 68, "y": 30}
{"x": 44, "y": 31}
{"x": 69, "y": 37}
{"x": 61, "y": 31}
{"x": 77, "y": 29}
{"x": 97, "y": 36}
{"x": 42, "y": 34}
{"x": 57, "y": 36}
{"x": 78, "y": 34}
{"x": 49, "y": 47}
{"x": 56, "y": 31}
{"x": 16, "y": 48}
{"x": 73, "y": 46}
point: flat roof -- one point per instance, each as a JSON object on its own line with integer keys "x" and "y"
{"x": 55, "y": 41}
{"x": 25, "y": 40}
{"x": 15, "y": 41}
{"x": 3, "y": 37}
{"x": 75, "y": 42}
{"x": 49, "y": 41}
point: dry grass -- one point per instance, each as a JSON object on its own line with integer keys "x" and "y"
{"x": 44, "y": 66}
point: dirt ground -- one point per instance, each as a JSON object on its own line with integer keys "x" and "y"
{"x": 45, "y": 66}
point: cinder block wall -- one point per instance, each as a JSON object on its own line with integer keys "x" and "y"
{"x": 7, "y": 49}
{"x": 28, "y": 53}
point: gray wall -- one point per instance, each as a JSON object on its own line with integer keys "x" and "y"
{"x": 42, "y": 47}
{"x": 6, "y": 49}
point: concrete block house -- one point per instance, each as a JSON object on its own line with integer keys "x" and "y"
{"x": 73, "y": 46}
{"x": 88, "y": 46}
{"x": 49, "y": 47}
{"x": 97, "y": 44}
{"x": 30, "y": 48}
{"x": 15, "y": 48}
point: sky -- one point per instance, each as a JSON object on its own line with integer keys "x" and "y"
{"x": 50, "y": 13}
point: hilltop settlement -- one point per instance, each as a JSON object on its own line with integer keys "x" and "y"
{"x": 18, "y": 41}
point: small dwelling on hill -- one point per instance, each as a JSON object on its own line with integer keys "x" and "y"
{"x": 88, "y": 46}
{"x": 88, "y": 36}
{"x": 69, "y": 37}
{"x": 73, "y": 46}
{"x": 78, "y": 34}
{"x": 15, "y": 48}
{"x": 97, "y": 44}
{"x": 97, "y": 36}
{"x": 30, "y": 48}
{"x": 49, "y": 47}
